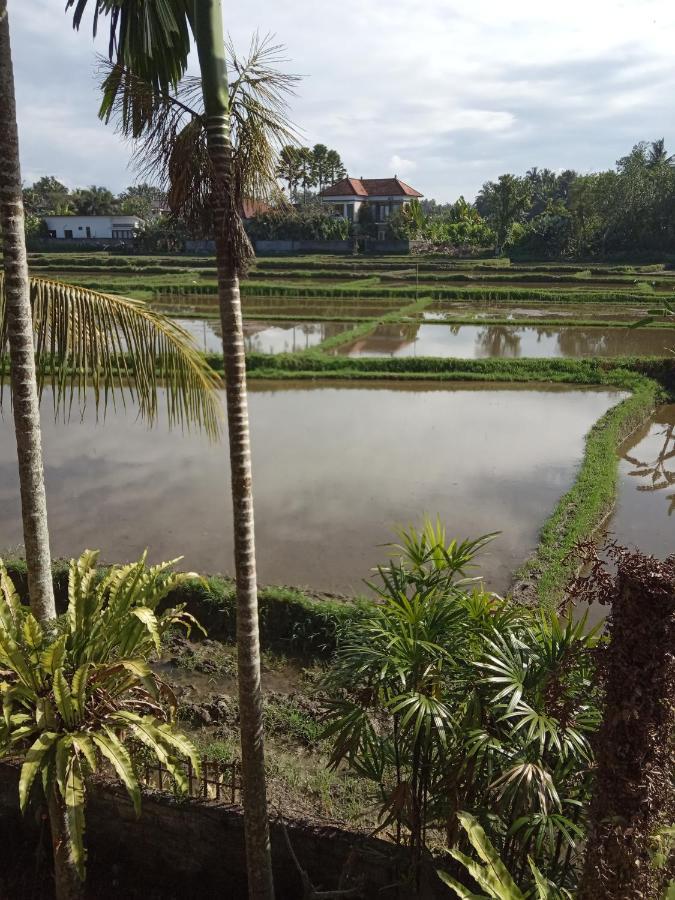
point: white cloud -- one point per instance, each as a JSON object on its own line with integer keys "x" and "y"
{"x": 400, "y": 166}
{"x": 464, "y": 92}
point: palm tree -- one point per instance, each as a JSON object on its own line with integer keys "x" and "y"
{"x": 658, "y": 155}
{"x": 82, "y": 339}
{"x": 20, "y": 336}
{"x": 152, "y": 39}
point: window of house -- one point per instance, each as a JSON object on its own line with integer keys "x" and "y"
{"x": 68, "y": 234}
{"x": 123, "y": 234}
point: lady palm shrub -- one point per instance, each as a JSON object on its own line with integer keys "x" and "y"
{"x": 448, "y": 699}
{"x": 78, "y": 694}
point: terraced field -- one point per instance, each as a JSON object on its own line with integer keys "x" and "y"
{"x": 412, "y": 322}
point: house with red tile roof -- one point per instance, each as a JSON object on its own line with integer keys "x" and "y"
{"x": 382, "y": 197}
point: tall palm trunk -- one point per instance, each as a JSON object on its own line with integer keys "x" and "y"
{"x": 21, "y": 349}
{"x": 25, "y": 402}
{"x": 208, "y": 31}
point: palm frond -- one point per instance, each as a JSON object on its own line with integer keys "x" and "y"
{"x": 93, "y": 344}
{"x": 170, "y": 133}
{"x": 153, "y": 37}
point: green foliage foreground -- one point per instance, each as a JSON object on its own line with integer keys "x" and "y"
{"x": 79, "y": 694}
{"x": 447, "y": 698}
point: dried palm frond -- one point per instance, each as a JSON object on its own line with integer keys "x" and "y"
{"x": 115, "y": 346}
{"x": 170, "y": 134}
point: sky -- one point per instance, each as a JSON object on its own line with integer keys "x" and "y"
{"x": 445, "y": 94}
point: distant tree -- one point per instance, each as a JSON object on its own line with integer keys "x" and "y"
{"x": 335, "y": 169}
{"x": 47, "y": 196}
{"x": 319, "y": 166}
{"x": 658, "y": 156}
{"x": 141, "y": 200}
{"x": 289, "y": 169}
{"x": 309, "y": 222}
{"x": 93, "y": 201}
{"x": 307, "y": 178}
{"x": 502, "y": 203}
{"x": 543, "y": 184}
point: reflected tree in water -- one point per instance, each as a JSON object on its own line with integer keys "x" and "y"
{"x": 499, "y": 340}
{"x": 659, "y": 473}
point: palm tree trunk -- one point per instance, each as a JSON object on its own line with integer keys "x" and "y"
{"x": 21, "y": 349}
{"x": 208, "y": 30}
{"x": 25, "y": 402}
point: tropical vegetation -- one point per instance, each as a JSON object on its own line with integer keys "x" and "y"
{"x": 449, "y": 699}
{"x": 78, "y": 695}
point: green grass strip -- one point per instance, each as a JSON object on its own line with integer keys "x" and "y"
{"x": 583, "y": 509}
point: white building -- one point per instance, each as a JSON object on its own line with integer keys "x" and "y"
{"x": 82, "y": 228}
{"x": 382, "y": 197}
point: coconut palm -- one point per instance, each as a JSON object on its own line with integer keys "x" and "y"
{"x": 82, "y": 339}
{"x": 151, "y": 38}
{"x": 20, "y": 337}
{"x": 658, "y": 155}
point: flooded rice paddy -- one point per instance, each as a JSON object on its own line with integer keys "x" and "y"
{"x": 335, "y": 467}
{"x": 442, "y": 311}
{"x": 645, "y": 511}
{"x": 509, "y": 341}
{"x": 264, "y": 337}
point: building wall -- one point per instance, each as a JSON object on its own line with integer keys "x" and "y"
{"x": 99, "y": 227}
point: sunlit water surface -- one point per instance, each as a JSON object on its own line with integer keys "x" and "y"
{"x": 335, "y": 467}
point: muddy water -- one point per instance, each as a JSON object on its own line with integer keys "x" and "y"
{"x": 645, "y": 512}
{"x": 264, "y": 337}
{"x": 510, "y": 341}
{"x": 335, "y": 466}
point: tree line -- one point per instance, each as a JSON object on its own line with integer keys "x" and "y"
{"x": 626, "y": 211}
{"x": 304, "y": 168}
{"x": 50, "y": 197}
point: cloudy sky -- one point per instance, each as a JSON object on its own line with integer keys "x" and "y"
{"x": 446, "y": 94}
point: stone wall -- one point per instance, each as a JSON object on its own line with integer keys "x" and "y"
{"x": 183, "y": 849}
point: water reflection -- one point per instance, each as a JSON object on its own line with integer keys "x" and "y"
{"x": 644, "y": 516}
{"x": 264, "y": 337}
{"x": 335, "y": 467}
{"x": 510, "y": 341}
{"x": 446, "y": 310}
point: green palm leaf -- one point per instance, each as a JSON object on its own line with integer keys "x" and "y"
{"x": 114, "y": 345}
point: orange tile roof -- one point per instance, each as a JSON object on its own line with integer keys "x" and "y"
{"x": 371, "y": 187}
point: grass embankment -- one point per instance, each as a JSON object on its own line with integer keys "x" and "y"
{"x": 583, "y": 509}
{"x": 404, "y": 314}
{"x": 293, "y": 622}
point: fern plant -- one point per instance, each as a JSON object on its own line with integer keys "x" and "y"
{"x": 78, "y": 691}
